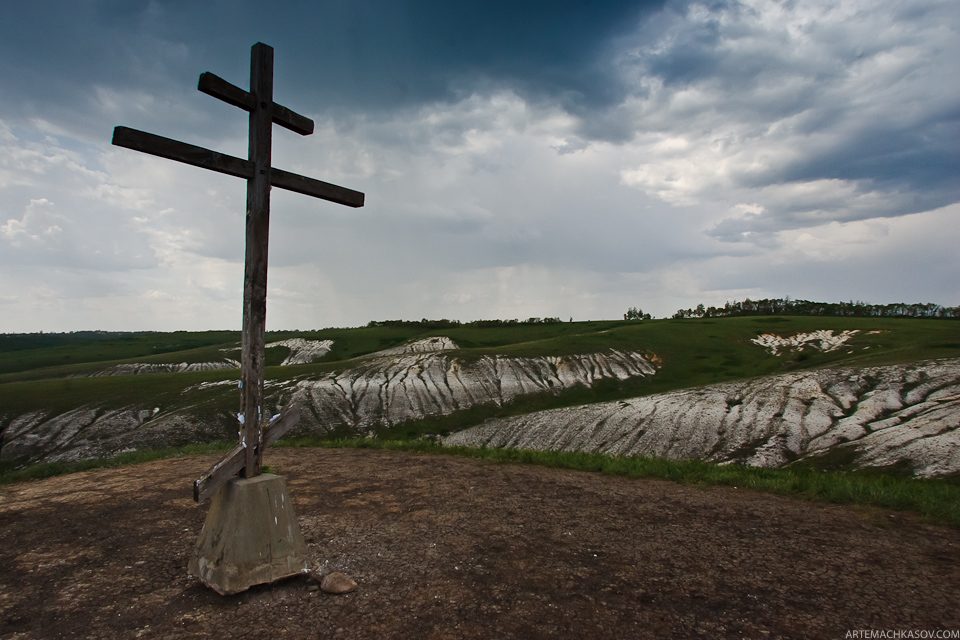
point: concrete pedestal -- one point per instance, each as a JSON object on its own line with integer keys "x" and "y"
{"x": 251, "y": 536}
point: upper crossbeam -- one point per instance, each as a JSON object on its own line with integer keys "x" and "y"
{"x": 215, "y": 86}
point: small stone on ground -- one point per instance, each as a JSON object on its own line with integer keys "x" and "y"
{"x": 337, "y": 582}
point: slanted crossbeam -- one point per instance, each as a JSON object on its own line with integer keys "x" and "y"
{"x": 255, "y": 434}
{"x": 207, "y": 485}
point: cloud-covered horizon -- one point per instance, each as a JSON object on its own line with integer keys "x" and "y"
{"x": 568, "y": 159}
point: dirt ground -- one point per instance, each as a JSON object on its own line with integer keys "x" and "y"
{"x": 446, "y": 547}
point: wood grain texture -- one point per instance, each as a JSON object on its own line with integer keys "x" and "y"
{"x": 214, "y": 85}
{"x": 255, "y": 263}
{"x": 181, "y": 152}
{"x": 207, "y": 484}
{"x": 316, "y": 188}
{"x": 274, "y": 430}
{"x": 232, "y": 166}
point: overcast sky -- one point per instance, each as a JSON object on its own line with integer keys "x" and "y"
{"x": 519, "y": 159}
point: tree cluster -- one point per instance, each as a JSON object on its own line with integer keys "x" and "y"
{"x": 634, "y": 313}
{"x": 447, "y": 324}
{"x": 788, "y": 307}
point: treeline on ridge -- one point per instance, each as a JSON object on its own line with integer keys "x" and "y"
{"x": 788, "y": 307}
{"x": 23, "y": 341}
{"x": 447, "y": 324}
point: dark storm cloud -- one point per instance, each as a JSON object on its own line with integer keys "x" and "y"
{"x": 801, "y": 94}
{"x": 519, "y": 158}
{"x": 895, "y": 156}
{"x": 371, "y": 56}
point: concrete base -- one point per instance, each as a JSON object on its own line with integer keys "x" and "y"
{"x": 251, "y": 536}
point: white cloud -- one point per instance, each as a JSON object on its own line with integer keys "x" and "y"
{"x": 903, "y": 259}
{"x": 38, "y": 225}
{"x": 759, "y": 149}
{"x": 806, "y": 109}
{"x": 55, "y": 210}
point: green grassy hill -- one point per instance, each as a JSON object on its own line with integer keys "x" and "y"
{"x": 43, "y": 373}
{"x": 50, "y": 373}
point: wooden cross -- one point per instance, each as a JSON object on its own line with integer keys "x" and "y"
{"x": 256, "y": 434}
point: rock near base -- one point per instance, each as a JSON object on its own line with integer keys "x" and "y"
{"x": 337, "y": 582}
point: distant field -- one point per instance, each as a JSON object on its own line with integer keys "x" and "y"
{"x": 65, "y": 354}
{"x": 40, "y": 372}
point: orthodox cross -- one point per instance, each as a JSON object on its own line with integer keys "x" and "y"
{"x": 256, "y": 434}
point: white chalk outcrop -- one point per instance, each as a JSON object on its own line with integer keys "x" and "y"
{"x": 141, "y": 368}
{"x": 424, "y": 345}
{"x": 411, "y": 381}
{"x": 884, "y": 414}
{"x": 302, "y": 351}
{"x": 887, "y": 414}
{"x": 824, "y": 340}
{"x": 90, "y": 432}
{"x": 408, "y": 384}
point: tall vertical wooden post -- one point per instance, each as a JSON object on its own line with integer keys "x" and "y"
{"x": 255, "y": 270}
{"x": 256, "y": 434}
{"x": 251, "y": 534}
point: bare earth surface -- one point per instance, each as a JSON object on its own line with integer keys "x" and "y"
{"x": 446, "y": 547}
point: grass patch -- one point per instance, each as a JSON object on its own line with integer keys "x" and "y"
{"x": 57, "y": 350}
{"x": 63, "y": 394}
{"x": 689, "y": 352}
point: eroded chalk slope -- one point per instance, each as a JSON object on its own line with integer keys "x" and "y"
{"x": 887, "y": 414}
{"x": 410, "y": 384}
{"x": 421, "y": 378}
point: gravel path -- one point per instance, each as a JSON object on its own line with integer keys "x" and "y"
{"x": 446, "y": 547}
